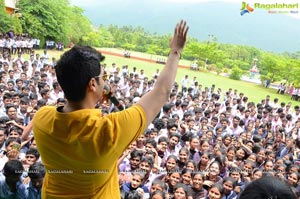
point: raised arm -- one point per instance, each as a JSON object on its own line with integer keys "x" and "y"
{"x": 158, "y": 96}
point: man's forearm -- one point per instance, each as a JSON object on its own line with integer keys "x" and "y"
{"x": 167, "y": 77}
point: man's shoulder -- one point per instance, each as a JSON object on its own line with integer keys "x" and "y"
{"x": 45, "y": 110}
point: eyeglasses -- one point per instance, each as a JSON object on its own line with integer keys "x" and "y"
{"x": 104, "y": 77}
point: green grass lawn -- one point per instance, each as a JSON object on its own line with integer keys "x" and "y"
{"x": 253, "y": 91}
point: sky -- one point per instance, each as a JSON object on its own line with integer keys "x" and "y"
{"x": 272, "y": 32}
{"x": 94, "y": 3}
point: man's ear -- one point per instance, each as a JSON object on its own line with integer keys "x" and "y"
{"x": 92, "y": 85}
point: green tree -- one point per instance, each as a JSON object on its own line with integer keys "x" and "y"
{"x": 77, "y": 25}
{"x": 5, "y": 19}
{"x": 45, "y": 19}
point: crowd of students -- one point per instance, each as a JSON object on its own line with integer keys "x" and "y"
{"x": 205, "y": 142}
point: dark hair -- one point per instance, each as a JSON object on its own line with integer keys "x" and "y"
{"x": 151, "y": 141}
{"x": 183, "y": 186}
{"x": 185, "y": 170}
{"x": 16, "y": 129}
{"x": 75, "y": 69}
{"x": 172, "y": 157}
{"x": 34, "y": 152}
{"x": 159, "y": 123}
{"x": 10, "y": 140}
{"x": 158, "y": 192}
{"x": 230, "y": 179}
{"x": 13, "y": 168}
{"x": 149, "y": 160}
{"x": 268, "y": 187}
{"x": 133, "y": 195}
{"x": 191, "y": 161}
{"x": 8, "y": 106}
{"x": 163, "y": 139}
{"x": 219, "y": 187}
{"x": 160, "y": 183}
{"x": 36, "y": 170}
{"x": 136, "y": 153}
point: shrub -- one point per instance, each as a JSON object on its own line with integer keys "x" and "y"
{"x": 236, "y": 73}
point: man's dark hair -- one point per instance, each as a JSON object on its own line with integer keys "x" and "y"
{"x": 149, "y": 160}
{"x": 10, "y": 140}
{"x": 268, "y": 187}
{"x": 136, "y": 153}
{"x": 75, "y": 69}
{"x": 36, "y": 170}
{"x": 33, "y": 151}
{"x": 13, "y": 168}
{"x": 151, "y": 141}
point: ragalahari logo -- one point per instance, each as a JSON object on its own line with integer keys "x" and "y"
{"x": 246, "y": 8}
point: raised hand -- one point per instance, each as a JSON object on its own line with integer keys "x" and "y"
{"x": 178, "y": 41}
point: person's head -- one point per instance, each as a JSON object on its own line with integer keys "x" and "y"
{"x": 36, "y": 174}
{"x": 79, "y": 73}
{"x": 198, "y": 179}
{"x": 171, "y": 162}
{"x": 134, "y": 194}
{"x": 257, "y": 174}
{"x": 153, "y": 133}
{"x": 261, "y": 155}
{"x": 158, "y": 185}
{"x": 180, "y": 191}
{"x": 268, "y": 187}
{"x": 150, "y": 144}
{"x": 293, "y": 168}
{"x": 216, "y": 191}
{"x": 186, "y": 176}
{"x": 3, "y": 121}
{"x": 214, "y": 168}
{"x": 268, "y": 165}
{"x": 158, "y": 195}
{"x": 11, "y": 111}
{"x": 60, "y": 102}
{"x": 231, "y": 151}
{"x": 12, "y": 171}
{"x": 163, "y": 143}
{"x": 15, "y": 132}
{"x": 174, "y": 139}
{"x": 194, "y": 142}
{"x": 135, "y": 159}
{"x": 229, "y": 185}
{"x": 240, "y": 153}
{"x": 183, "y": 155}
{"x": 252, "y": 157}
{"x": 204, "y": 145}
{"x": 146, "y": 164}
{"x": 173, "y": 178}
{"x": 137, "y": 179}
{"x": 191, "y": 165}
{"x": 293, "y": 178}
{"x": 226, "y": 139}
{"x": 32, "y": 155}
{"x": 204, "y": 159}
{"x": 235, "y": 173}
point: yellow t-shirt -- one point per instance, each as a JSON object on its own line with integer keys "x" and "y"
{"x": 80, "y": 150}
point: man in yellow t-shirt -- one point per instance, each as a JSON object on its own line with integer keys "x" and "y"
{"x": 79, "y": 147}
